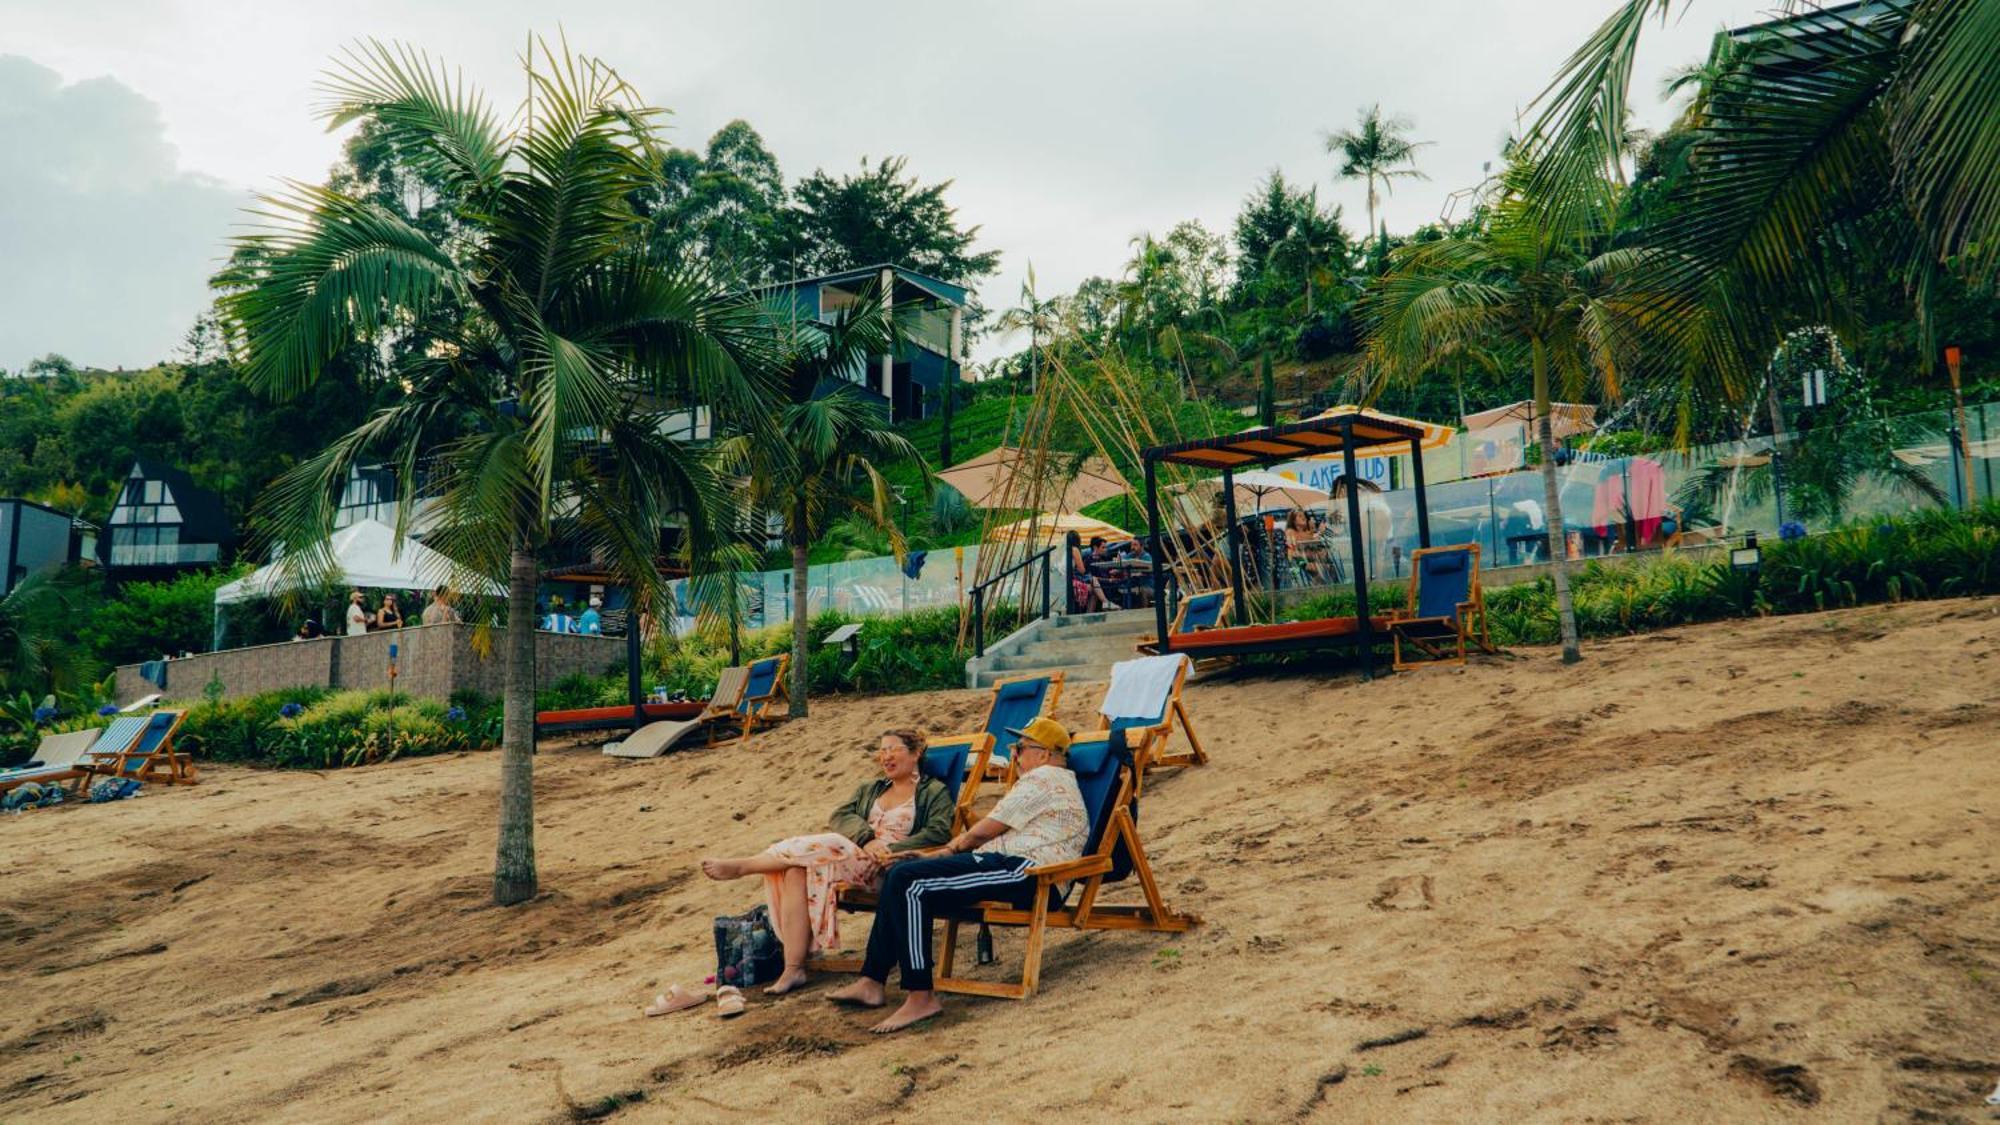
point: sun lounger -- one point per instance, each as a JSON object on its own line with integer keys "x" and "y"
{"x": 151, "y": 757}
{"x": 766, "y": 686}
{"x": 57, "y": 759}
{"x": 1446, "y": 607}
{"x": 1108, "y": 780}
{"x": 1146, "y": 693}
{"x": 143, "y": 703}
{"x": 612, "y": 718}
{"x": 655, "y": 739}
{"x": 1198, "y": 613}
{"x": 1015, "y": 704}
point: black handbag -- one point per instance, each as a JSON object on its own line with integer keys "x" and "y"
{"x": 747, "y": 950}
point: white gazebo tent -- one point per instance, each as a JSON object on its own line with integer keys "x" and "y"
{"x": 365, "y": 556}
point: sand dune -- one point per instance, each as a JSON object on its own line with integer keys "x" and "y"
{"x": 1739, "y": 872}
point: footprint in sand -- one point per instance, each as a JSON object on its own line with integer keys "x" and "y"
{"x": 1404, "y": 892}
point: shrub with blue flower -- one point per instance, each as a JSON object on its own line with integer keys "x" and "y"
{"x": 108, "y": 710}
{"x": 1790, "y": 530}
{"x": 44, "y": 714}
{"x": 455, "y": 715}
{"x": 291, "y": 710}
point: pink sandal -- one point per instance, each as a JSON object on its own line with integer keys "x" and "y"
{"x": 675, "y": 999}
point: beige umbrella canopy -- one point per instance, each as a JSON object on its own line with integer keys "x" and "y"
{"x": 1565, "y": 418}
{"x": 1435, "y": 436}
{"x": 1257, "y": 490}
{"x": 1050, "y": 527}
{"x": 1005, "y": 477}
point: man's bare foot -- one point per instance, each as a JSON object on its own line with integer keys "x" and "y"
{"x": 863, "y": 993}
{"x": 794, "y": 976}
{"x": 722, "y": 868}
{"x": 917, "y": 1007}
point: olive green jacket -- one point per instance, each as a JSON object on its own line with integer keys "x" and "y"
{"x": 933, "y": 821}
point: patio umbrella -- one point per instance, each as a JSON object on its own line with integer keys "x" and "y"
{"x": 1001, "y": 478}
{"x": 1565, "y": 418}
{"x": 1052, "y": 527}
{"x": 1435, "y": 436}
{"x": 1264, "y": 491}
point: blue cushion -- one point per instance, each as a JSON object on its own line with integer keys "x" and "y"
{"x": 1095, "y": 765}
{"x": 1443, "y": 582}
{"x": 1015, "y": 705}
{"x": 763, "y": 680}
{"x": 1203, "y": 611}
{"x": 1023, "y": 689}
{"x": 946, "y": 762}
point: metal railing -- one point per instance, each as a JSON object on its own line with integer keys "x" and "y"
{"x": 978, "y": 594}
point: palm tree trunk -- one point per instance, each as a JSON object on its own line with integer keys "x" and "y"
{"x": 801, "y": 626}
{"x": 1552, "y": 508}
{"x": 514, "y": 859}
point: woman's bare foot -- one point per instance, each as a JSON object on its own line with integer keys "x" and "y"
{"x": 793, "y": 977}
{"x": 917, "y": 1007}
{"x": 722, "y": 868}
{"x": 863, "y": 993}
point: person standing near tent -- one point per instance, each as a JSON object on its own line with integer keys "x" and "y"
{"x": 440, "y": 611}
{"x": 358, "y": 617}
{"x": 391, "y": 616}
{"x": 590, "y": 622}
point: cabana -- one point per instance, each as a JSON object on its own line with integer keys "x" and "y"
{"x": 1348, "y": 434}
{"x": 366, "y": 556}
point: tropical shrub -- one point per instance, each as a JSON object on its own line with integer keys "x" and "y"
{"x": 313, "y": 728}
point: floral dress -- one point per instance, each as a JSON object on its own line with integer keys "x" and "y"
{"x": 830, "y": 858}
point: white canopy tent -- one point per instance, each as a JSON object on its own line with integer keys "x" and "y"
{"x": 365, "y": 556}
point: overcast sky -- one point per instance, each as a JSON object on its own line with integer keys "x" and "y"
{"x": 131, "y": 135}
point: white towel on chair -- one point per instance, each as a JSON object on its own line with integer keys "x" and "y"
{"x": 1139, "y": 688}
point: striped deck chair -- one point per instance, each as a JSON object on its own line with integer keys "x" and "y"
{"x": 655, "y": 739}
{"x": 1446, "y": 607}
{"x": 1108, "y": 781}
{"x": 765, "y": 688}
{"x": 151, "y": 757}
{"x": 58, "y": 758}
{"x": 1146, "y": 695}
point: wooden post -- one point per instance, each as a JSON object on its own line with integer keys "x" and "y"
{"x": 1417, "y": 480}
{"x": 1952, "y": 356}
{"x": 888, "y": 283}
{"x": 1364, "y": 635}
{"x": 1233, "y": 540}
{"x": 1159, "y": 556}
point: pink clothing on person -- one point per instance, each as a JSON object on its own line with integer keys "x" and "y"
{"x": 830, "y": 858}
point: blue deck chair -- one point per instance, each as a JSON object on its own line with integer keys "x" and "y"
{"x": 151, "y": 757}
{"x": 1015, "y": 704}
{"x": 1107, "y": 780}
{"x": 1445, "y": 607}
{"x": 1152, "y": 730}
{"x": 765, "y": 687}
{"x": 1197, "y": 613}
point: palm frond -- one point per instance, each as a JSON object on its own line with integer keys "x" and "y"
{"x": 401, "y": 86}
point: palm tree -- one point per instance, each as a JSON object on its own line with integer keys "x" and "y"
{"x": 538, "y": 406}
{"x": 1876, "y": 125}
{"x": 1379, "y": 151}
{"x": 35, "y": 656}
{"x": 1559, "y": 294}
{"x": 1039, "y": 317}
{"x": 1314, "y": 240}
{"x": 819, "y": 459}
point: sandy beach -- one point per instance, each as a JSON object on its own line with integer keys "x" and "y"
{"x": 1737, "y": 872}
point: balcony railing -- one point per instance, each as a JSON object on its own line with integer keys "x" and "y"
{"x": 162, "y": 554}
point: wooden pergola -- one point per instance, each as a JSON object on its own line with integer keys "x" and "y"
{"x": 1347, "y": 434}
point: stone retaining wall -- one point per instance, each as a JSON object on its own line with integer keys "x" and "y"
{"x": 431, "y": 660}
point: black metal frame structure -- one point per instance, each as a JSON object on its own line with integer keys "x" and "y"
{"x": 1344, "y": 434}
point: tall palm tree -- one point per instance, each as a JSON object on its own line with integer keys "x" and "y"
{"x": 540, "y": 405}
{"x": 1558, "y": 294}
{"x": 1876, "y": 125}
{"x": 35, "y": 656}
{"x": 819, "y": 459}
{"x": 1040, "y": 317}
{"x": 1378, "y": 151}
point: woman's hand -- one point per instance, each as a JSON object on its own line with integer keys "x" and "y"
{"x": 878, "y": 851}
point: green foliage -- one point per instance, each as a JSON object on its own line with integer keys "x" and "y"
{"x": 879, "y": 215}
{"x": 333, "y": 730}
{"x": 146, "y": 619}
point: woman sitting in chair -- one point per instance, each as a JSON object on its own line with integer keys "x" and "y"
{"x": 901, "y": 811}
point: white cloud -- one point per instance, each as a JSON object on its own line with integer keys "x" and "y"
{"x": 106, "y": 244}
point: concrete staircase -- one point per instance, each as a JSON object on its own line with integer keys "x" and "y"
{"x": 1083, "y": 645}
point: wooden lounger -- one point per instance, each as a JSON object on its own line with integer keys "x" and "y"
{"x": 1149, "y": 734}
{"x": 761, "y": 692}
{"x": 1445, "y": 607}
{"x": 59, "y": 758}
{"x": 655, "y": 739}
{"x": 151, "y": 757}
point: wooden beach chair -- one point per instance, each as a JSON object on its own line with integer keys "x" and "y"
{"x": 1150, "y": 722}
{"x": 655, "y": 739}
{"x": 1446, "y": 608}
{"x": 150, "y": 757}
{"x": 762, "y": 691}
{"x": 1198, "y": 613}
{"x": 1015, "y": 703}
{"x": 58, "y": 758}
{"x": 1108, "y": 780}
{"x": 958, "y": 761}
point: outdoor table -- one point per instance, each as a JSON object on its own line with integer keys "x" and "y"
{"x": 1516, "y": 544}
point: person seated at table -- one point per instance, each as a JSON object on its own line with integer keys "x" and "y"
{"x": 1087, "y": 591}
{"x": 897, "y": 813}
{"x": 1040, "y": 821}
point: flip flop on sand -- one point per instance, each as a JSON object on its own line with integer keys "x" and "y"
{"x": 675, "y": 999}
{"x": 728, "y": 1002}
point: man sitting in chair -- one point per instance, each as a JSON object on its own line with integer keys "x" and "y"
{"x": 1041, "y": 820}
